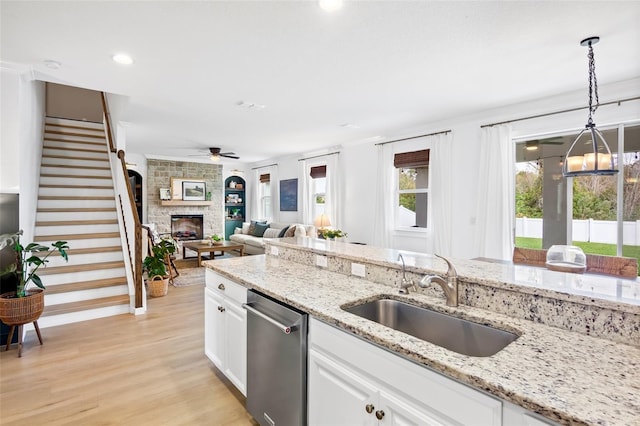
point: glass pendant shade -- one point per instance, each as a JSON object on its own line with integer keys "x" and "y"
{"x": 596, "y": 161}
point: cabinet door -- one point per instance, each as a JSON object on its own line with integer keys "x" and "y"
{"x": 336, "y": 396}
{"x": 236, "y": 345}
{"x": 214, "y": 327}
{"x": 399, "y": 411}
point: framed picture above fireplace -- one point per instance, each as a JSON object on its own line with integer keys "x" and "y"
{"x": 177, "y": 190}
{"x": 194, "y": 190}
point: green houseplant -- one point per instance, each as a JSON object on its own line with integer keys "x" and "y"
{"x": 156, "y": 266}
{"x": 25, "y": 305}
{"x": 332, "y": 234}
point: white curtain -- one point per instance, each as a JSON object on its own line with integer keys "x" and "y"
{"x": 274, "y": 186}
{"x": 304, "y": 189}
{"x": 383, "y": 214}
{"x": 495, "y": 213}
{"x": 442, "y": 167}
{"x": 252, "y": 196}
{"x": 333, "y": 191}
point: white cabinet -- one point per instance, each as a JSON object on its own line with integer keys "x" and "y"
{"x": 353, "y": 382}
{"x": 513, "y": 415}
{"x": 225, "y": 327}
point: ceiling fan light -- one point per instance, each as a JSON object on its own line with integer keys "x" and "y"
{"x": 214, "y": 157}
{"x": 330, "y": 5}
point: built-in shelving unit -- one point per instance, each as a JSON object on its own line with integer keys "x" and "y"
{"x": 234, "y": 211}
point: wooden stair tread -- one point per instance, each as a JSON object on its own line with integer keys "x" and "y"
{"x": 64, "y": 166}
{"x": 92, "y": 143}
{"x": 83, "y": 305}
{"x": 51, "y": 270}
{"x": 66, "y": 148}
{"x": 77, "y": 222}
{"x": 90, "y": 250}
{"x": 69, "y": 126}
{"x": 52, "y": 185}
{"x": 72, "y": 197}
{"x": 86, "y": 285}
{"x": 84, "y": 135}
{"x": 58, "y": 175}
{"x": 75, "y": 210}
{"x": 68, "y": 237}
{"x": 69, "y": 157}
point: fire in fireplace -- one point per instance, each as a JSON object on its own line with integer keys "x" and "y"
{"x": 186, "y": 226}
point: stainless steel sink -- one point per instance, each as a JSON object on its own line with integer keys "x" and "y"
{"x": 456, "y": 334}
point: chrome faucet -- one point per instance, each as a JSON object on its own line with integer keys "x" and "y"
{"x": 449, "y": 285}
{"x": 405, "y": 284}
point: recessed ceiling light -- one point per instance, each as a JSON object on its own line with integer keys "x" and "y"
{"x": 122, "y": 59}
{"x": 330, "y": 5}
{"x": 50, "y": 63}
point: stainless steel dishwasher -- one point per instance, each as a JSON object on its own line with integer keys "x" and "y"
{"x": 276, "y": 362}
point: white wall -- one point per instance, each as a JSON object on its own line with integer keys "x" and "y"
{"x": 359, "y": 161}
{"x": 9, "y": 131}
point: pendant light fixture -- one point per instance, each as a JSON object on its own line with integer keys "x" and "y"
{"x": 598, "y": 159}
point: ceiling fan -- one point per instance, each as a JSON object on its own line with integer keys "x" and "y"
{"x": 215, "y": 154}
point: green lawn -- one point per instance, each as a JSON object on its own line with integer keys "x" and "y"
{"x": 591, "y": 248}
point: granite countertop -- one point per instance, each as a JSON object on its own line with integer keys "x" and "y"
{"x": 567, "y": 377}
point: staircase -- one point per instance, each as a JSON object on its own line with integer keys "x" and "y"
{"x": 76, "y": 204}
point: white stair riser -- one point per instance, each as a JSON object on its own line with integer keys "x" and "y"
{"x": 88, "y": 243}
{"x": 72, "y": 204}
{"x": 50, "y": 132}
{"x": 66, "y": 162}
{"x": 72, "y": 277}
{"x": 84, "y": 259}
{"x": 81, "y": 295}
{"x": 76, "y": 192}
{"x": 75, "y": 123}
{"x": 77, "y": 181}
{"x": 75, "y": 229}
{"x": 89, "y": 314}
{"x": 72, "y": 145}
{"x": 58, "y": 216}
{"x": 64, "y": 170}
{"x": 97, "y": 155}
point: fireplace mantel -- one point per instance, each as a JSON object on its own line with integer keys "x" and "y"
{"x": 176, "y": 203}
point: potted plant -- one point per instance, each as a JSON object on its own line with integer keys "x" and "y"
{"x": 216, "y": 239}
{"x": 26, "y": 304}
{"x": 156, "y": 266}
{"x": 333, "y": 234}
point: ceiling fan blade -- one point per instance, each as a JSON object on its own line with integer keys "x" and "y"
{"x": 229, "y": 155}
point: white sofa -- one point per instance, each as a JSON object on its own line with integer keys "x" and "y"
{"x": 255, "y": 245}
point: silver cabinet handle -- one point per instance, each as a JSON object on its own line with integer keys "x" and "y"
{"x": 221, "y": 286}
{"x": 379, "y": 414}
{"x": 284, "y": 328}
{"x": 369, "y": 408}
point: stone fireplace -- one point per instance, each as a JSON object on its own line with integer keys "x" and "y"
{"x": 187, "y": 227}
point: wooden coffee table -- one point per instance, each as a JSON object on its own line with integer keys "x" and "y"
{"x": 211, "y": 249}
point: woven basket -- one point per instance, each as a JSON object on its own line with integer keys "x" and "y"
{"x": 158, "y": 286}
{"x": 21, "y": 310}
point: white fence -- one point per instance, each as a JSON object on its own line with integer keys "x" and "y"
{"x": 595, "y": 231}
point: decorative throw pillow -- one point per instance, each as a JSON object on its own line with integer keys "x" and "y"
{"x": 283, "y": 231}
{"x": 237, "y": 230}
{"x": 259, "y": 229}
{"x": 300, "y": 231}
{"x": 245, "y": 228}
{"x": 291, "y": 231}
{"x": 271, "y": 233}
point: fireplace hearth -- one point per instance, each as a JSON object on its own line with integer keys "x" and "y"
{"x": 186, "y": 227}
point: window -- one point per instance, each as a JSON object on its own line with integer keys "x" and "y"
{"x": 264, "y": 197}
{"x": 318, "y": 190}
{"x": 412, "y": 195}
{"x": 584, "y": 210}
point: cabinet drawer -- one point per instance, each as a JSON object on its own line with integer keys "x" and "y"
{"x": 225, "y": 287}
{"x": 444, "y": 396}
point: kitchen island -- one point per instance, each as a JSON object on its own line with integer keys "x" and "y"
{"x": 566, "y": 376}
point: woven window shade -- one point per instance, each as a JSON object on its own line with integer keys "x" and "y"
{"x": 265, "y": 178}
{"x": 318, "y": 172}
{"x": 411, "y": 159}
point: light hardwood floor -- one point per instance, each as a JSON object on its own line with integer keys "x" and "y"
{"x": 124, "y": 370}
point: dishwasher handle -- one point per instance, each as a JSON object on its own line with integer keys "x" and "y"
{"x": 284, "y": 328}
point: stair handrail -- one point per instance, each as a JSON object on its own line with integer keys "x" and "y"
{"x": 136, "y": 259}
{"x": 107, "y": 116}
